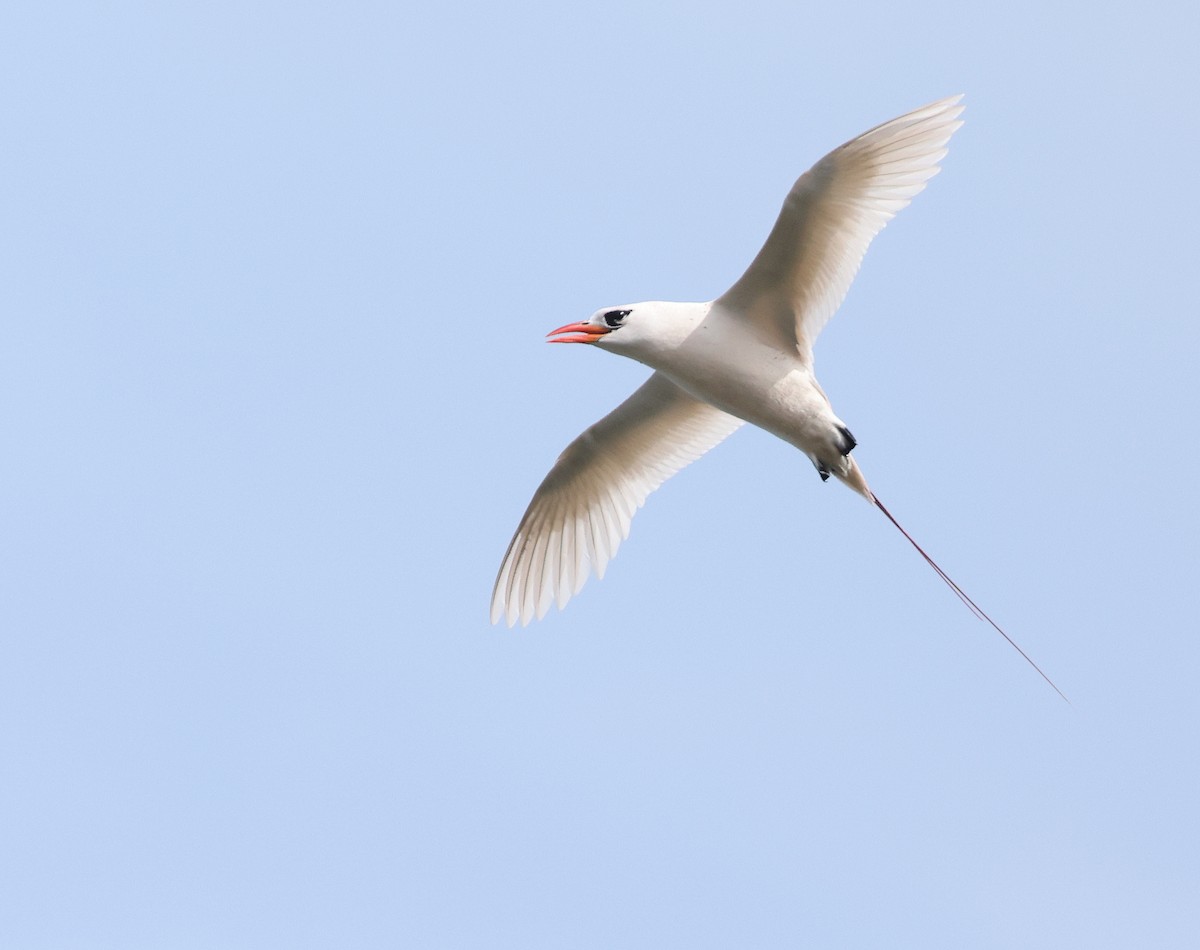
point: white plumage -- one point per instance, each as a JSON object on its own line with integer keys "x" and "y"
{"x": 771, "y": 317}
{"x": 582, "y": 510}
{"x": 745, "y": 357}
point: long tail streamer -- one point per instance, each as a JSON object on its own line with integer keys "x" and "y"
{"x": 971, "y": 605}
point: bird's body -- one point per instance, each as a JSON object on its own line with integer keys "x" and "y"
{"x": 705, "y": 350}
{"x": 745, "y": 357}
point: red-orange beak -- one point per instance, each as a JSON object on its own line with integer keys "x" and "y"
{"x": 583, "y": 333}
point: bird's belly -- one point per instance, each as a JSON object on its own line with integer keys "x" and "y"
{"x": 788, "y": 403}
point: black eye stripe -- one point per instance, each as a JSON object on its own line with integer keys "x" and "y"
{"x": 614, "y": 317}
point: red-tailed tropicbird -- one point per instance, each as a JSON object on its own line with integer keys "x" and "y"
{"x": 745, "y": 357}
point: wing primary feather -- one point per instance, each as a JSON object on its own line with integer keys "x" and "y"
{"x": 612, "y": 534}
{"x": 566, "y": 566}
{"x": 532, "y": 580}
{"x": 550, "y": 567}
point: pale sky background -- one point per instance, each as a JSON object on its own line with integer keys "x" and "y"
{"x": 273, "y": 396}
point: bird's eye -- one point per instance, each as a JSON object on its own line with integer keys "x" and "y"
{"x": 614, "y": 318}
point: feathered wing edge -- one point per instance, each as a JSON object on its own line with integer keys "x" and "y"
{"x": 831, "y": 215}
{"x": 582, "y": 510}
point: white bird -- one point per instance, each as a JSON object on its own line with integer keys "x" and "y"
{"x": 745, "y": 357}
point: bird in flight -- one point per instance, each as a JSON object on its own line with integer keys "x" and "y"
{"x": 745, "y": 357}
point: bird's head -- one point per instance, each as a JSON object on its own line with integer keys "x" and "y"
{"x": 641, "y": 331}
{"x": 601, "y": 327}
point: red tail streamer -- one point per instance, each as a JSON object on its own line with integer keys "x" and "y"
{"x": 971, "y": 605}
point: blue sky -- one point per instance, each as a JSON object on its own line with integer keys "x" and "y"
{"x": 273, "y": 396}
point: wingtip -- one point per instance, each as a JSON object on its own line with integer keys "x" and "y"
{"x": 498, "y": 613}
{"x": 948, "y": 102}
{"x": 946, "y": 110}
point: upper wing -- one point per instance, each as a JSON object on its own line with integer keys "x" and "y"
{"x": 830, "y": 216}
{"x": 582, "y": 510}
